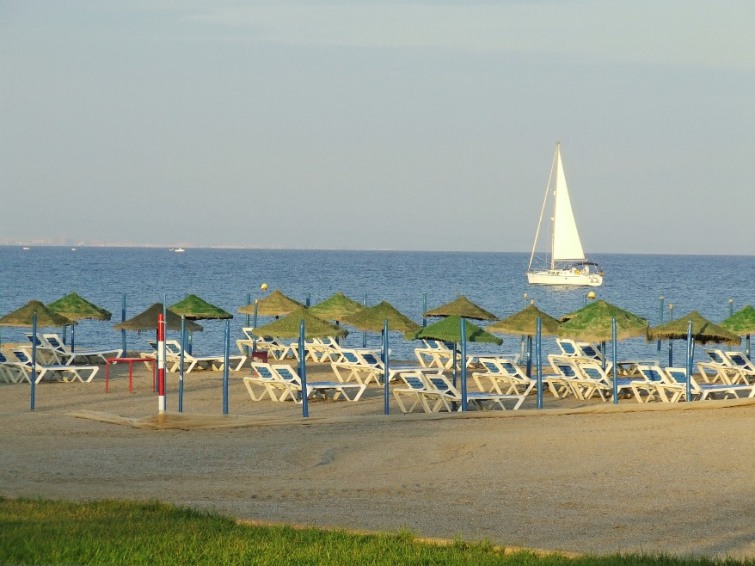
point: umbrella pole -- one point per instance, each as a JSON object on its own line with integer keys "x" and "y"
{"x": 463, "y": 365}
{"x": 670, "y": 342}
{"x": 33, "y": 376}
{"x": 73, "y": 338}
{"x": 181, "y": 366}
{"x": 303, "y": 372}
{"x": 123, "y": 319}
{"x": 424, "y": 309}
{"x": 538, "y": 347}
{"x": 248, "y": 319}
{"x": 690, "y": 354}
{"x": 364, "y": 333}
{"x": 747, "y": 346}
{"x": 660, "y": 321}
{"x": 613, "y": 360}
{"x": 386, "y": 370}
{"x": 226, "y": 356}
{"x": 529, "y": 356}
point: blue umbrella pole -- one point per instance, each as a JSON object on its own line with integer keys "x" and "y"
{"x": 226, "y": 361}
{"x": 33, "y": 376}
{"x": 424, "y": 309}
{"x": 660, "y": 321}
{"x": 463, "y": 365}
{"x": 123, "y": 319}
{"x": 181, "y": 366}
{"x": 386, "y": 371}
{"x": 613, "y": 360}
{"x": 539, "y": 364}
{"x": 690, "y": 355}
{"x": 303, "y": 372}
{"x": 73, "y": 337}
{"x": 529, "y": 356}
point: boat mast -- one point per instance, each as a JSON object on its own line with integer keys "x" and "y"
{"x": 542, "y": 211}
{"x": 554, "y": 167}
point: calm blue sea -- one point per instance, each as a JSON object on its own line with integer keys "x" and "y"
{"x": 496, "y": 281}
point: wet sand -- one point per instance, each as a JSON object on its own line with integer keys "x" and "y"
{"x": 580, "y": 476}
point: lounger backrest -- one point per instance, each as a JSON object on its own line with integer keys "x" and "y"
{"x": 590, "y": 351}
{"x": 490, "y": 365}
{"x": 441, "y": 383}
{"x": 55, "y": 342}
{"x": 263, "y": 370}
{"x": 413, "y": 380}
{"x": 679, "y": 375}
{"x": 567, "y": 347}
{"x": 510, "y": 367}
{"x": 287, "y": 374}
{"x": 22, "y": 356}
{"x": 592, "y": 371}
{"x": 371, "y": 359}
{"x": 651, "y": 373}
{"x": 350, "y": 356}
{"x": 716, "y": 356}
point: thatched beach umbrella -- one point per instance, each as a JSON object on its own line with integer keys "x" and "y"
{"x": 372, "y": 319}
{"x": 336, "y": 307}
{"x": 275, "y": 304}
{"x": 703, "y": 330}
{"x": 147, "y": 320}
{"x": 75, "y": 307}
{"x": 524, "y": 322}
{"x": 24, "y": 316}
{"x": 593, "y": 323}
{"x": 462, "y": 306}
{"x": 449, "y": 330}
{"x": 196, "y": 308}
{"x": 289, "y": 326}
{"x": 742, "y": 323}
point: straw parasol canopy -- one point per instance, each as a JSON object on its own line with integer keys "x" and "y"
{"x": 741, "y": 322}
{"x": 336, "y": 307}
{"x": 592, "y": 323}
{"x": 75, "y": 307}
{"x": 449, "y": 330}
{"x": 288, "y": 326}
{"x": 372, "y": 319}
{"x": 524, "y": 323}
{"x": 703, "y": 330}
{"x": 147, "y": 320}
{"x": 196, "y": 308}
{"x": 45, "y": 317}
{"x": 462, "y": 307}
{"x": 275, "y": 304}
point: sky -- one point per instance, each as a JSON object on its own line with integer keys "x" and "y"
{"x": 377, "y": 125}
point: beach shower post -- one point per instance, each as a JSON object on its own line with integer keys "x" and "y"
{"x": 160, "y": 363}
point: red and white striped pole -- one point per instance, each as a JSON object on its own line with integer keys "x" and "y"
{"x": 161, "y": 363}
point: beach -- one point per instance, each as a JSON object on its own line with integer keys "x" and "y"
{"x": 577, "y": 476}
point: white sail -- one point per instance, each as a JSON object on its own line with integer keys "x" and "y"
{"x": 566, "y": 243}
{"x": 568, "y": 265}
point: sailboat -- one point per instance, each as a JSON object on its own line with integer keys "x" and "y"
{"x": 566, "y": 264}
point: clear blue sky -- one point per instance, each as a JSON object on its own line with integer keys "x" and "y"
{"x": 378, "y": 125}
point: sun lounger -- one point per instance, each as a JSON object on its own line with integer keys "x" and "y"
{"x": 503, "y": 376}
{"x": 265, "y": 382}
{"x": 703, "y": 391}
{"x": 321, "y": 389}
{"x": 66, "y": 372}
{"x": 191, "y": 362}
{"x": 440, "y": 390}
{"x": 655, "y": 386}
{"x": 12, "y": 371}
{"x": 69, "y": 357}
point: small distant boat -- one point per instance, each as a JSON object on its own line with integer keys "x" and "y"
{"x": 25, "y": 248}
{"x": 73, "y": 249}
{"x": 179, "y": 250}
{"x": 567, "y": 263}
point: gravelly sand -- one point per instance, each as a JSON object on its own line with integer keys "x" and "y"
{"x": 576, "y": 476}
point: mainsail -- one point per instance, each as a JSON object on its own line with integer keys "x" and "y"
{"x": 566, "y": 243}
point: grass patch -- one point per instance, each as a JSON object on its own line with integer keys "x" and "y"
{"x": 120, "y": 532}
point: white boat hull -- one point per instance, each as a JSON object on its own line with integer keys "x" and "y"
{"x": 564, "y": 277}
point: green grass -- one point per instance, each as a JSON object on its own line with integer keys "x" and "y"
{"x": 117, "y": 532}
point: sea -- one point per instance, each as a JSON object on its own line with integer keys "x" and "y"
{"x": 656, "y": 287}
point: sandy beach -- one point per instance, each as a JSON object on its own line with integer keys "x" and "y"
{"x": 577, "y": 476}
